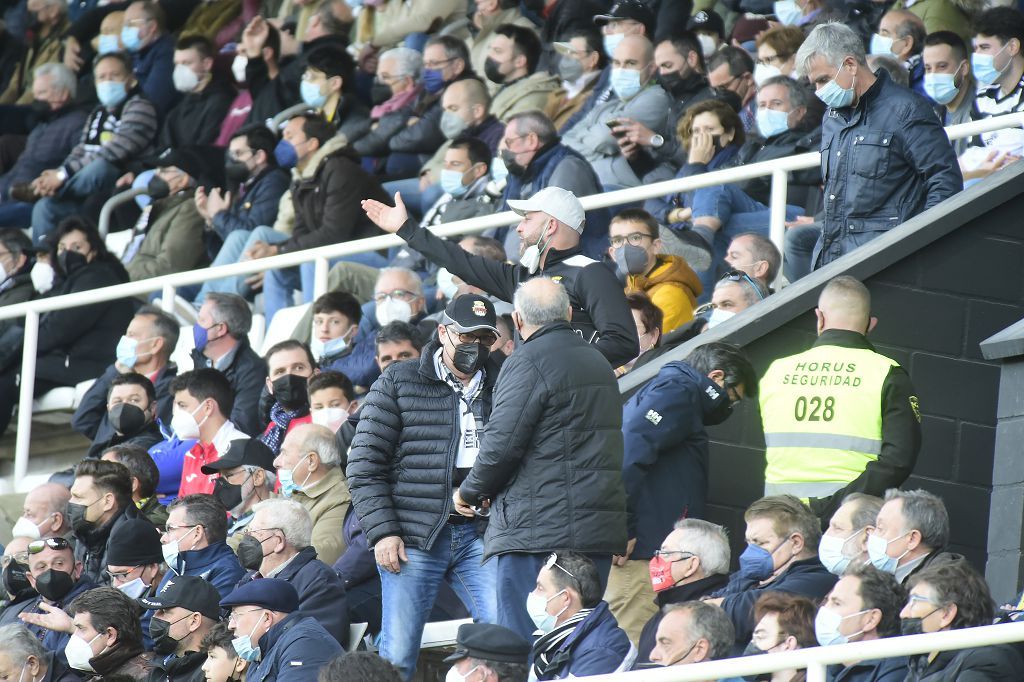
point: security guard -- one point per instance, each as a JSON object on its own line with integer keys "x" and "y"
{"x": 838, "y": 418}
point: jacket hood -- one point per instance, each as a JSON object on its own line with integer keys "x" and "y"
{"x": 668, "y": 270}
{"x": 714, "y": 399}
{"x": 336, "y": 143}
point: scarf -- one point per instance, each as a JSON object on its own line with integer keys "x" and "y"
{"x": 547, "y": 659}
{"x": 280, "y": 418}
{"x": 395, "y": 103}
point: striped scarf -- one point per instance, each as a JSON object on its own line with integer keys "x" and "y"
{"x": 280, "y": 418}
{"x": 547, "y": 659}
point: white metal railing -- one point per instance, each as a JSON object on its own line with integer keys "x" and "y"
{"x": 778, "y": 169}
{"x": 816, "y": 659}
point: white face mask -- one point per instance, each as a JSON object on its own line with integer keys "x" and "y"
{"x": 238, "y": 67}
{"x": 707, "y": 44}
{"x": 718, "y": 316}
{"x": 331, "y": 417}
{"x": 537, "y": 607}
{"x": 25, "y": 528}
{"x": 42, "y": 277}
{"x": 185, "y": 79}
{"x": 173, "y": 548}
{"x": 531, "y": 256}
{"x": 134, "y": 589}
{"x": 446, "y": 285}
{"x": 184, "y": 424}
{"x": 392, "y": 310}
{"x": 455, "y": 676}
{"x": 79, "y": 653}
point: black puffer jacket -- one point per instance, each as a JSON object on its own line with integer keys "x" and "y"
{"x": 551, "y": 458}
{"x": 401, "y": 464}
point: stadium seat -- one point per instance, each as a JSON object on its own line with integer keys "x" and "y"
{"x": 355, "y": 635}
{"x": 283, "y": 326}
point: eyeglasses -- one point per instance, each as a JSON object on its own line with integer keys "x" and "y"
{"x": 664, "y": 554}
{"x": 921, "y": 599}
{"x": 119, "y": 577}
{"x": 437, "y": 65}
{"x": 20, "y": 557}
{"x": 509, "y": 140}
{"x": 236, "y": 615}
{"x": 774, "y": 59}
{"x": 250, "y": 531}
{"x": 400, "y": 294}
{"x": 37, "y": 546}
{"x": 634, "y": 239}
{"x": 487, "y": 338}
{"x": 740, "y": 276}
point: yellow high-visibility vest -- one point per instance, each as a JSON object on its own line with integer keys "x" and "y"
{"x": 822, "y": 417}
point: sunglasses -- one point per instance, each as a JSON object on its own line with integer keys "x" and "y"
{"x": 740, "y": 276}
{"x": 37, "y": 546}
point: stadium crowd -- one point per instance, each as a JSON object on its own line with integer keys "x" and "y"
{"x": 441, "y": 435}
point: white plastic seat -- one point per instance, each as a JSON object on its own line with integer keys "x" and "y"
{"x": 441, "y": 633}
{"x": 257, "y": 331}
{"x": 182, "y": 355}
{"x": 355, "y": 635}
{"x": 283, "y": 325}
{"x": 56, "y": 400}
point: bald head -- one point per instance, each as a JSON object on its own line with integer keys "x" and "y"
{"x": 635, "y": 47}
{"x": 17, "y": 544}
{"x": 469, "y": 90}
{"x": 538, "y": 302}
{"x": 46, "y": 506}
{"x": 845, "y": 303}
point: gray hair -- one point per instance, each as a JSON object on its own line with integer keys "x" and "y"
{"x": 866, "y": 509}
{"x": 710, "y": 623}
{"x": 536, "y": 122}
{"x": 320, "y": 439}
{"x": 20, "y": 643}
{"x": 414, "y": 282}
{"x": 538, "y": 304}
{"x": 832, "y": 41}
{"x": 798, "y": 93}
{"x": 924, "y": 512}
{"x": 897, "y": 72}
{"x": 61, "y": 77}
{"x": 291, "y": 517}
{"x": 231, "y": 310}
{"x": 911, "y": 26}
{"x": 709, "y": 542}
{"x": 761, "y": 247}
{"x": 269, "y": 476}
{"x": 750, "y": 293}
{"x": 408, "y": 62}
{"x": 166, "y": 327}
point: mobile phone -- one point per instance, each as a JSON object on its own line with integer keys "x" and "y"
{"x": 612, "y": 125}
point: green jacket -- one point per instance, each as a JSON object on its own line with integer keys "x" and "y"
{"x": 173, "y": 241}
{"x": 940, "y": 15}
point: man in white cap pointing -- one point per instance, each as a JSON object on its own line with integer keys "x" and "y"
{"x": 549, "y": 232}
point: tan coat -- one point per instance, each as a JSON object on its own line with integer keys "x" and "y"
{"x": 478, "y": 43}
{"x": 387, "y": 26}
{"x": 531, "y": 93}
{"x": 327, "y": 502}
{"x": 43, "y": 51}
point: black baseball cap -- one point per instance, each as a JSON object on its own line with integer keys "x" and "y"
{"x": 251, "y": 451}
{"x": 189, "y": 592}
{"x": 470, "y": 313}
{"x": 629, "y": 9}
{"x": 272, "y": 594}
{"x": 707, "y": 21}
{"x": 489, "y": 643}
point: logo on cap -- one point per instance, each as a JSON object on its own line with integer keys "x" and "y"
{"x": 479, "y": 309}
{"x": 700, "y": 17}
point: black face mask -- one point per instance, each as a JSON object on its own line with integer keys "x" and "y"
{"x": 41, "y": 109}
{"x": 470, "y": 357}
{"x": 160, "y": 632}
{"x": 54, "y": 585}
{"x": 230, "y": 495}
{"x": 69, "y": 261}
{"x": 236, "y": 171}
{"x": 380, "y": 93}
{"x": 508, "y": 157}
{"x": 911, "y": 626}
{"x": 79, "y": 524}
{"x": 491, "y": 71}
{"x": 250, "y": 553}
{"x": 127, "y": 419}
{"x": 15, "y": 581}
{"x": 158, "y": 188}
{"x": 291, "y": 391}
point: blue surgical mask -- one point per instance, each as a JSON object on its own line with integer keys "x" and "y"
{"x": 881, "y": 45}
{"x": 880, "y": 559}
{"x": 200, "y": 336}
{"x": 108, "y": 43}
{"x": 130, "y": 38}
{"x": 287, "y": 479}
{"x": 826, "y": 626}
{"x": 834, "y": 95}
{"x": 788, "y": 12}
{"x": 111, "y": 93}
{"x": 756, "y": 563}
{"x": 984, "y": 67}
{"x": 312, "y": 95}
{"x": 451, "y": 182}
{"x": 611, "y": 41}
{"x": 285, "y": 154}
{"x": 128, "y": 350}
{"x": 326, "y": 349}
{"x": 941, "y": 87}
{"x": 771, "y": 122}
{"x": 244, "y": 648}
{"x": 499, "y": 171}
{"x": 626, "y": 83}
{"x": 830, "y": 552}
{"x": 433, "y": 80}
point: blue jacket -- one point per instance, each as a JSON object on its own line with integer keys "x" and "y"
{"x": 665, "y": 462}
{"x": 358, "y": 361}
{"x": 321, "y": 591}
{"x": 49, "y": 143}
{"x": 659, "y": 207}
{"x": 882, "y": 162}
{"x": 257, "y": 206}
{"x": 875, "y": 670}
{"x": 215, "y": 564}
{"x": 597, "y": 646}
{"x": 154, "y": 66}
{"x": 357, "y": 564}
{"x": 807, "y": 578}
{"x": 294, "y": 650}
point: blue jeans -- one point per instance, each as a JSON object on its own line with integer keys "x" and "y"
{"x": 800, "y": 241}
{"x": 517, "y": 577}
{"x": 16, "y": 214}
{"x": 408, "y": 596}
{"x": 231, "y": 252}
{"x": 412, "y": 197}
{"x": 95, "y": 178}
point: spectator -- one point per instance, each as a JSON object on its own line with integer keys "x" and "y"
{"x": 331, "y": 400}
{"x": 648, "y": 319}
{"x": 682, "y": 74}
{"x": 135, "y": 561}
{"x": 692, "y": 632}
{"x": 18, "y": 592}
{"x": 776, "y": 53}
{"x": 623, "y": 19}
{"x": 185, "y": 610}
{"x": 516, "y": 464}
{"x": 638, "y": 255}
{"x": 901, "y": 34}
{"x": 395, "y": 89}
{"x": 638, "y": 98}
{"x": 875, "y": 444}
{"x": 550, "y": 232}
{"x": 397, "y": 297}
{"x": 308, "y": 470}
{"x": 101, "y": 499}
{"x": 193, "y": 543}
{"x": 942, "y": 15}
{"x": 336, "y": 318}
{"x": 145, "y": 348}
{"x": 359, "y": 665}
{"x": 273, "y": 635}
{"x": 397, "y": 341}
{"x": 50, "y": 23}
{"x": 677, "y": 578}
{"x": 862, "y": 607}
{"x": 252, "y": 169}
{"x": 513, "y": 55}
{"x": 581, "y": 63}
{"x": 145, "y": 476}
{"x": 44, "y": 513}
{"x": 106, "y": 639}
{"x": 952, "y": 596}
{"x": 709, "y": 27}
{"x": 222, "y": 663}
{"x": 915, "y": 520}
{"x": 392, "y": 23}
{"x": 484, "y": 21}
{"x": 785, "y": 622}
{"x": 402, "y": 468}
{"x": 56, "y": 131}
{"x": 277, "y": 544}
{"x": 782, "y": 554}
{"x": 756, "y": 256}
{"x": 163, "y": 241}
{"x": 205, "y": 97}
{"x": 273, "y": 79}
{"x": 491, "y": 649}
{"x": 131, "y": 414}
{"x": 463, "y": 98}
{"x": 920, "y": 171}
{"x": 328, "y": 85}
{"x": 202, "y": 401}
{"x": 290, "y": 364}
{"x": 733, "y": 294}
{"x": 152, "y": 49}
{"x": 998, "y": 65}
{"x": 245, "y": 477}
{"x": 464, "y": 181}
{"x": 23, "y": 652}
{"x": 119, "y": 130}
{"x": 949, "y": 83}
{"x": 16, "y": 260}
{"x": 854, "y": 521}
{"x": 732, "y": 68}
{"x": 57, "y": 577}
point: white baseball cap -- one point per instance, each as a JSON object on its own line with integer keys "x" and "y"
{"x": 560, "y": 204}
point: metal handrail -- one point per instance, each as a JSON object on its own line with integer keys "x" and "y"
{"x": 778, "y": 169}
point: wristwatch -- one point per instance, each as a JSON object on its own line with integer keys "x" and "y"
{"x": 657, "y": 141}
